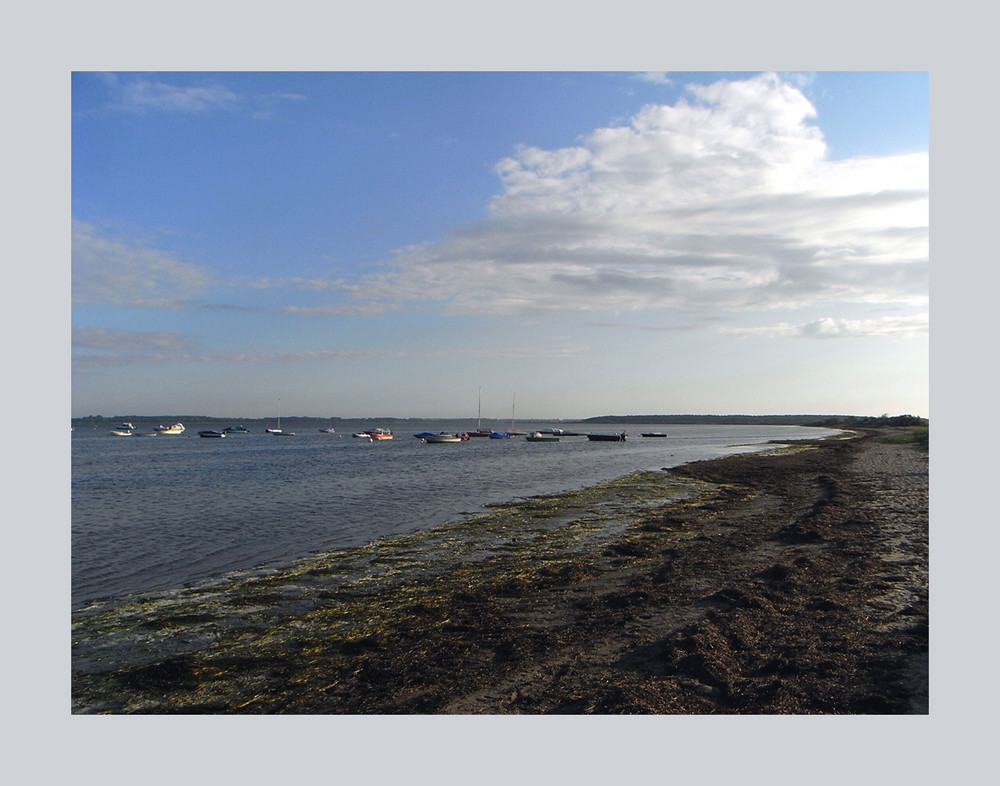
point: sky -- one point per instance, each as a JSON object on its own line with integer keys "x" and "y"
{"x": 355, "y": 244}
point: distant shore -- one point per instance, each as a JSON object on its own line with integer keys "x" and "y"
{"x": 792, "y": 582}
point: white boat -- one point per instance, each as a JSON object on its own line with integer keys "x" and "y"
{"x": 380, "y": 433}
{"x": 328, "y": 431}
{"x": 363, "y": 435}
{"x": 123, "y": 430}
{"x": 177, "y": 428}
{"x": 538, "y": 436}
{"x": 277, "y": 430}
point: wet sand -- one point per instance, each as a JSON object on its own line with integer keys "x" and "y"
{"x": 793, "y": 583}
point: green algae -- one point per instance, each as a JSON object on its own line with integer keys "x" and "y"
{"x": 251, "y": 638}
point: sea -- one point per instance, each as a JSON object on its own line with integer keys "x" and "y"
{"x": 158, "y": 514}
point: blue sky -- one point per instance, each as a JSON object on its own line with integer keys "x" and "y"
{"x": 387, "y": 243}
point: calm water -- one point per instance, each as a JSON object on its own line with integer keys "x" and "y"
{"x": 158, "y": 513}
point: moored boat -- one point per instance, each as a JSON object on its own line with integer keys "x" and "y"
{"x": 608, "y": 437}
{"x": 236, "y": 430}
{"x": 442, "y": 438}
{"x": 211, "y": 434}
{"x": 538, "y": 436}
{"x": 177, "y": 428}
{"x": 652, "y": 434}
{"x": 380, "y": 433}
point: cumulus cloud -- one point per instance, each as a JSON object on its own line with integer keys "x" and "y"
{"x": 124, "y": 273}
{"x": 725, "y": 200}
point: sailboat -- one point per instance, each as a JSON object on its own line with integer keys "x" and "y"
{"x": 511, "y": 430}
{"x": 479, "y": 426}
{"x": 277, "y": 431}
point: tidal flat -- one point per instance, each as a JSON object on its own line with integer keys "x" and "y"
{"x": 792, "y": 582}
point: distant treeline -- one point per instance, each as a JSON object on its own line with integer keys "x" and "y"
{"x": 829, "y": 421}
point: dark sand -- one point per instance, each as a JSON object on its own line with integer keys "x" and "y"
{"x": 792, "y": 583}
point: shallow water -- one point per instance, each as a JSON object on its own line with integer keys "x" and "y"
{"x": 165, "y": 512}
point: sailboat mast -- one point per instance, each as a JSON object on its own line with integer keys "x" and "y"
{"x": 479, "y": 423}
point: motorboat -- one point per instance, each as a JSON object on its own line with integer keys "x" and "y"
{"x": 177, "y": 428}
{"x": 121, "y": 432}
{"x": 236, "y": 430}
{"x": 380, "y": 433}
{"x": 211, "y": 434}
{"x": 363, "y": 435}
{"x": 443, "y": 437}
{"x": 608, "y": 437}
{"x": 499, "y": 435}
{"x": 538, "y": 436}
{"x": 328, "y": 431}
{"x": 653, "y": 434}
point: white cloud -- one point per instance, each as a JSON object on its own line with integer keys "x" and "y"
{"x": 828, "y": 327}
{"x": 655, "y": 77}
{"x": 100, "y": 338}
{"x": 143, "y": 95}
{"x": 726, "y": 200}
{"x": 129, "y": 274}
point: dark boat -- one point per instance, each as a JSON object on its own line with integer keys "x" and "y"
{"x": 607, "y": 437}
{"x": 211, "y": 434}
{"x": 653, "y": 434}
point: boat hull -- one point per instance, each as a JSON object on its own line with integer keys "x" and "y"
{"x": 607, "y": 437}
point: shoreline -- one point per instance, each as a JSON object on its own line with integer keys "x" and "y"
{"x": 769, "y": 582}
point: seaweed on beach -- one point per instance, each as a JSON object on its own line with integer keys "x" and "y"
{"x": 785, "y": 583}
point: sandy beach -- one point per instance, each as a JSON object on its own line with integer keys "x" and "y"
{"x": 787, "y": 583}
